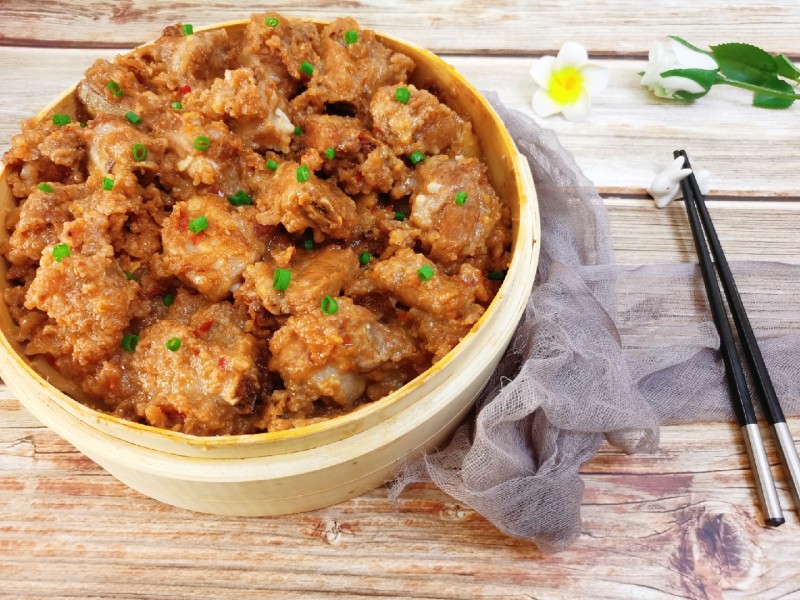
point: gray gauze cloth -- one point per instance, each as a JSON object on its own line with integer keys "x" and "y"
{"x": 603, "y": 351}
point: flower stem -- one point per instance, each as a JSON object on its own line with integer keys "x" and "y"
{"x": 757, "y": 88}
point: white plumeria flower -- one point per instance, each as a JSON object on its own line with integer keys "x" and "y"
{"x": 566, "y": 83}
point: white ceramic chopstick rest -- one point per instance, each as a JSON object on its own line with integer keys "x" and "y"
{"x": 666, "y": 186}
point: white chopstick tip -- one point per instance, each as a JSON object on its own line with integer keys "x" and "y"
{"x": 666, "y": 186}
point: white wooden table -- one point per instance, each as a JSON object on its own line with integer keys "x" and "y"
{"x": 681, "y": 523}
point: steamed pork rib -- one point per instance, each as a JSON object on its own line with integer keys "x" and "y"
{"x": 420, "y": 124}
{"x": 208, "y": 244}
{"x": 299, "y": 200}
{"x": 254, "y": 109}
{"x": 197, "y": 373}
{"x": 248, "y": 230}
{"x": 84, "y": 293}
{"x": 346, "y": 75}
{"x": 44, "y": 152}
{"x": 313, "y": 275}
{"x": 40, "y": 220}
{"x": 336, "y": 356}
{"x": 453, "y": 196}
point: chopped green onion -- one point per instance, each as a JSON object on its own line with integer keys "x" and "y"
{"x": 425, "y": 272}
{"x": 60, "y": 251}
{"x": 364, "y": 258}
{"x": 461, "y": 197}
{"x": 497, "y": 275}
{"x": 303, "y": 173}
{"x": 350, "y": 36}
{"x": 45, "y": 187}
{"x": 330, "y": 153}
{"x": 298, "y": 130}
{"x": 133, "y": 118}
{"x": 199, "y": 224}
{"x": 398, "y": 216}
{"x": 139, "y": 152}
{"x": 308, "y": 244}
{"x": 240, "y": 199}
{"x": 188, "y": 29}
{"x": 177, "y": 105}
{"x": 130, "y": 276}
{"x": 329, "y": 306}
{"x": 201, "y": 142}
{"x": 416, "y": 157}
{"x": 60, "y": 120}
{"x": 271, "y": 22}
{"x": 129, "y": 342}
{"x": 168, "y": 299}
{"x": 108, "y": 184}
{"x": 402, "y": 95}
{"x": 115, "y": 89}
{"x": 272, "y": 165}
{"x": 281, "y": 279}
{"x": 307, "y": 68}
{"x": 173, "y": 344}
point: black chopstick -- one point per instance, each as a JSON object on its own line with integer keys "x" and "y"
{"x": 740, "y": 394}
{"x": 758, "y": 369}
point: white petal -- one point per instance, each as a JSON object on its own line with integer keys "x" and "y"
{"x": 571, "y": 54}
{"x": 689, "y": 59}
{"x": 579, "y": 110}
{"x": 656, "y": 54}
{"x": 676, "y": 84}
{"x": 544, "y": 105}
{"x": 542, "y": 70}
{"x": 595, "y": 78}
{"x": 651, "y": 74}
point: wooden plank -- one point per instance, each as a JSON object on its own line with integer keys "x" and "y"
{"x": 629, "y": 138}
{"x": 686, "y": 517}
{"x": 748, "y": 230}
{"x": 470, "y": 26}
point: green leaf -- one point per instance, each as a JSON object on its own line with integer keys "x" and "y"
{"x": 764, "y": 100}
{"x": 705, "y": 78}
{"x": 688, "y": 96}
{"x": 688, "y": 45}
{"x": 786, "y": 68}
{"x": 744, "y": 62}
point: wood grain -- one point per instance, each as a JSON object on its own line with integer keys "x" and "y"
{"x": 629, "y": 138}
{"x": 509, "y": 27}
{"x": 682, "y": 523}
{"x": 685, "y": 517}
{"x": 748, "y": 230}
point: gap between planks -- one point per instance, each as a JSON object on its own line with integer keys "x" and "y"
{"x": 516, "y": 26}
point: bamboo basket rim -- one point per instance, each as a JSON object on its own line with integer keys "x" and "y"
{"x": 527, "y": 211}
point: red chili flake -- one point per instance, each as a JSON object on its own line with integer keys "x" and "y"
{"x": 182, "y": 91}
{"x": 223, "y": 363}
{"x": 201, "y": 329}
{"x": 403, "y": 316}
{"x": 196, "y": 238}
{"x": 347, "y": 341}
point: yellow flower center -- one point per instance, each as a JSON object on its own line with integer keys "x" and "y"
{"x": 566, "y": 85}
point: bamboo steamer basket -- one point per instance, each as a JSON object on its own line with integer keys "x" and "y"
{"x": 325, "y": 463}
